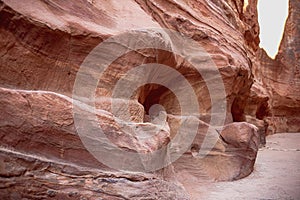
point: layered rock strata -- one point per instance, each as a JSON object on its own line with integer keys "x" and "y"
{"x": 44, "y": 43}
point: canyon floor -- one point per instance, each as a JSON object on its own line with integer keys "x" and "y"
{"x": 276, "y": 174}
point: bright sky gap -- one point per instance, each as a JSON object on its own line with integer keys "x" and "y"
{"x": 272, "y": 15}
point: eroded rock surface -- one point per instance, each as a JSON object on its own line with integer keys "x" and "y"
{"x": 275, "y": 93}
{"x": 44, "y": 43}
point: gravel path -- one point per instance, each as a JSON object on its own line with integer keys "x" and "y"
{"x": 276, "y": 175}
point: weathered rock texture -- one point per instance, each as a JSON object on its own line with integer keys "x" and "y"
{"x": 43, "y": 44}
{"x": 275, "y": 94}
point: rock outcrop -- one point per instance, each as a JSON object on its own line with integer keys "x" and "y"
{"x": 45, "y": 44}
{"x": 39, "y": 144}
{"x": 275, "y": 93}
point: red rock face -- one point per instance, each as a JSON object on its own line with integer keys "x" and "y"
{"x": 44, "y": 44}
{"x": 278, "y": 81}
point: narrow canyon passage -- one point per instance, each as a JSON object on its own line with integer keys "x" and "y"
{"x": 147, "y": 100}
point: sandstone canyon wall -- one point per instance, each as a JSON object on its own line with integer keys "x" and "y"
{"x": 282, "y": 76}
{"x": 44, "y": 43}
{"x": 276, "y": 88}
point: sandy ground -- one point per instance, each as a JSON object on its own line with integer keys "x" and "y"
{"x": 276, "y": 174}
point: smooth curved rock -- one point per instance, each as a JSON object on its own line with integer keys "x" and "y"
{"x": 44, "y": 43}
